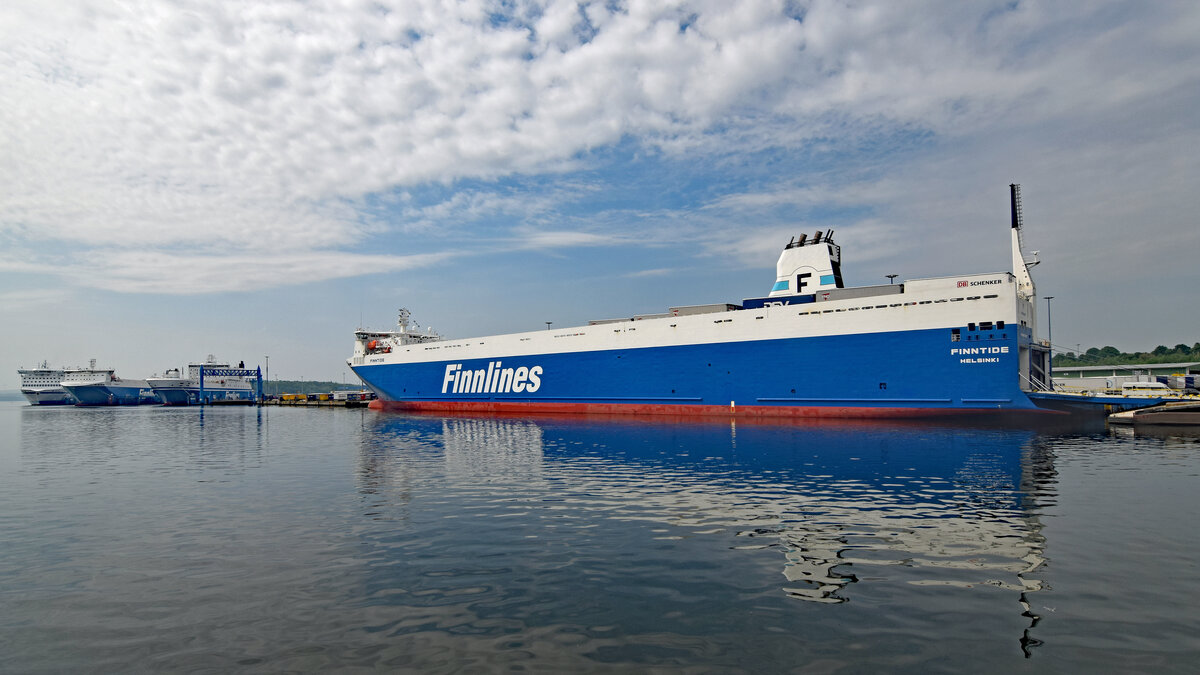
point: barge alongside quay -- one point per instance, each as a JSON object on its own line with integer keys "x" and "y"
{"x": 927, "y": 347}
{"x": 1173, "y": 414}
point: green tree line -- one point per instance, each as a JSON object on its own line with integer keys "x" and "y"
{"x": 1111, "y": 356}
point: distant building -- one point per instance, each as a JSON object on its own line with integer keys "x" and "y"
{"x": 1151, "y": 369}
{"x": 1184, "y": 377}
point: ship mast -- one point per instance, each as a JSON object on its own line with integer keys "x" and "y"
{"x": 1021, "y": 264}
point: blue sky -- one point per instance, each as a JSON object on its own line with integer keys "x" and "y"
{"x": 257, "y": 178}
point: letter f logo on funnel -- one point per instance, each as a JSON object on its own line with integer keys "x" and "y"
{"x": 800, "y": 281}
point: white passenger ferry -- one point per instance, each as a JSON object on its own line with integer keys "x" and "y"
{"x": 43, "y": 385}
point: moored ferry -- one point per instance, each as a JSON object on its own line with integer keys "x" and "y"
{"x": 94, "y": 386}
{"x": 174, "y": 389}
{"x": 810, "y": 348}
{"x": 43, "y": 385}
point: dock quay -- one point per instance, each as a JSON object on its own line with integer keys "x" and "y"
{"x": 333, "y": 399}
{"x": 319, "y": 403}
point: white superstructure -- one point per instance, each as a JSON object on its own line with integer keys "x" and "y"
{"x": 89, "y": 375}
{"x": 43, "y": 385}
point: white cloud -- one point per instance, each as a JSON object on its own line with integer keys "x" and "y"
{"x": 32, "y": 299}
{"x": 128, "y": 271}
{"x": 221, "y": 132}
{"x": 549, "y": 239}
{"x": 657, "y": 272}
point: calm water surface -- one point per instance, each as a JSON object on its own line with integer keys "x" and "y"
{"x": 277, "y": 539}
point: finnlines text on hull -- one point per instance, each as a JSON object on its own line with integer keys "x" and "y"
{"x": 492, "y": 380}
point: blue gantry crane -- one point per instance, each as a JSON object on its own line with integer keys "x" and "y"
{"x": 210, "y": 371}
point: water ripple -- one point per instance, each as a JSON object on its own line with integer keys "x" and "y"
{"x": 292, "y": 540}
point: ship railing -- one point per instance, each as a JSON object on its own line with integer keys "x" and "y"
{"x": 1035, "y": 385}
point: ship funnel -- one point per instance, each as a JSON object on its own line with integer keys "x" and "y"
{"x": 808, "y": 265}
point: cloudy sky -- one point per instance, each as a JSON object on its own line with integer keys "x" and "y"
{"x": 259, "y": 178}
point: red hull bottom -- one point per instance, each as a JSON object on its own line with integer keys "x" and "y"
{"x": 752, "y": 411}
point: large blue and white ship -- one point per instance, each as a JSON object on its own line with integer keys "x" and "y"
{"x": 94, "y": 386}
{"x": 43, "y": 385}
{"x": 174, "y": 389}
{"x": 961, "y": 344}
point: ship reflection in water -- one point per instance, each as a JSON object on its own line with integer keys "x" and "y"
{"x": 839, "y": 505}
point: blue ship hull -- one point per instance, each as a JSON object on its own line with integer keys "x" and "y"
{"x": 887, "y": 374}
{"x": 113, "y": 394}
{"x": 191, "y": 395}
{"x": 178, "y": 396}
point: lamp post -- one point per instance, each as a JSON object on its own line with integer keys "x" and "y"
{"x": 268, "y": 358}
{"x": 891, "y": 278}
{"x": 1050, "y": 339}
